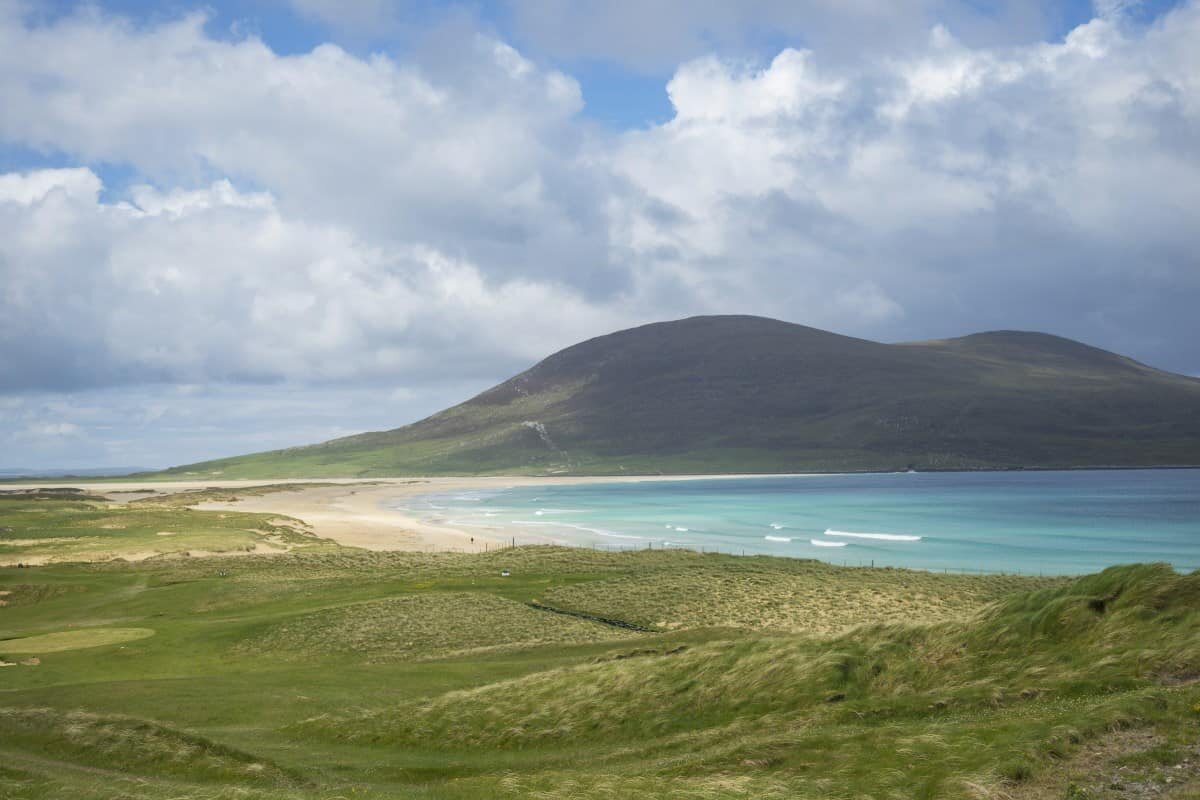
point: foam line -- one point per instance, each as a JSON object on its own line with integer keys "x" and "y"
{"x": 887, "y": 537}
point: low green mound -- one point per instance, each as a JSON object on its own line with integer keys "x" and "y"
{"x": 425, "y": 626}
{"x": 138, "y": 746}
{"x": 786, "y": 595}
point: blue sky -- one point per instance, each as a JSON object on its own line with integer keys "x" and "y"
{"x": 346, "y": 215}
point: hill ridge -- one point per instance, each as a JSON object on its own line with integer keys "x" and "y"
{"x": 739, "y": 393}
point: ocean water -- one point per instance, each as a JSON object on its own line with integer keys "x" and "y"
{"x": 1029, "y": 522}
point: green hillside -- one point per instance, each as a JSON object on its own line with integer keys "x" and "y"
{"x": 748, "y": 394}
{"x": 330, "y": 672}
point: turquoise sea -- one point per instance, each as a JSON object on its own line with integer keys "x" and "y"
{"x": 1029, "y": 522}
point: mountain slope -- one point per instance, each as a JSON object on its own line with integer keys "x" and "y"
{"x": 739, "y": 393}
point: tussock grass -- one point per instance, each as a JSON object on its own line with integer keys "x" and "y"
{"x": 992, "y": 699}
{"x": 428, "y": 625}
{"x": 404, "y": 675}
{"x": 137, "y": 745}
{"x": 788, "y": 595}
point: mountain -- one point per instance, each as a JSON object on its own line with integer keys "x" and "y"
{"x": 749, "y": 394}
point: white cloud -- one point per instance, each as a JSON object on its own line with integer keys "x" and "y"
{"x": 488, "y": 147}
{"x": 712, "y": 91}
{"x": 33, "y": 187}
{"x": 215, "y": 284}
{"x": 948, "y": 181}
{"x": 348, "y": 220}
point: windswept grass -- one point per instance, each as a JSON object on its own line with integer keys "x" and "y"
{"x": 424, "y": 626}
{"x": 787, "y": 595}
{"x": 328, "y": 672}
{"x": 1058, "y": 643}
{"x": 138, "y": 746}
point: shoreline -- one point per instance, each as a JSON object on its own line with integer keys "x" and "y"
{"x": 371, "y": 514}
{"x": 65, "y": 480}
{"x": 354, "y": 512}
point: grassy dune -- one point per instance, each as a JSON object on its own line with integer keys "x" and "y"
{"x": 427, "y": 625}
{"x": 48, "y": 526}
{"x": 329, "y": 672}
{"x": 791, "y": 595}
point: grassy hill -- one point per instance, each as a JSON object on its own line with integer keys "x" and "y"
{"x": 747, "y": 394}
{"x": 331, "y": 672}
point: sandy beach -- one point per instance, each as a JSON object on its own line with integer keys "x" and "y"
{"x": 357, "y": 514}
{"x": 354, "y": 512}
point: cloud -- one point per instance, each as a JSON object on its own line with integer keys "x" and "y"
{"x": 1045, "y": 186}
{"x": 448, "y": 216}
{"x": 484, "y": 158}
{"x": 28, "y": 188}
{"x": 215, "y": 284}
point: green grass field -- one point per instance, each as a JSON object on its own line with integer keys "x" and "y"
{"x": 328, "y": 672}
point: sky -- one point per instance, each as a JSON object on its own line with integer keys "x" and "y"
{"x": 228, "y": 227}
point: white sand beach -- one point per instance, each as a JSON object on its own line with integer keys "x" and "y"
{"x": 353, "y": 512}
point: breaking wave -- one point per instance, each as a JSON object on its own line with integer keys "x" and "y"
{"x": 887, "y": 537}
